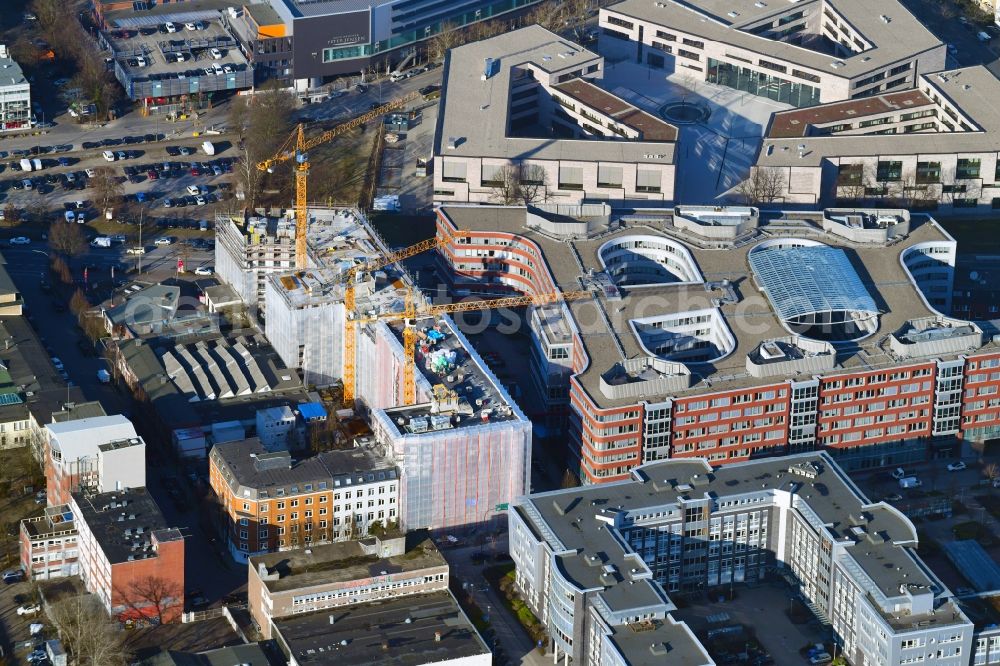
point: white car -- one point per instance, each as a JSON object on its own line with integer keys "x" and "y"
{"x": 203, "y": 270}
{"x": 193, "y": 190}
{"x": 957, "y": 466}
{"x": 28, "y": 609}
{"x": 20, "y": 240}
{"x": 216, "y": 54}
{"x": 136, "y": 250}
{"x": 141, "y": 60}
{"x": 109, "y": 156}
{"x": 90, "y": 173}
{"x": 163, "y": 241}
{"x": 190, "y": 26}
{"x": 180, "y": 57}
{"x": 70, "y": 216}
{"x": 170, "y": 27}
{"x": 200, "y": 200}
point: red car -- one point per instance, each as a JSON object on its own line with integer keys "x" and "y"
{"x": 195, "y": 171}
{"x": 152, "y": 175}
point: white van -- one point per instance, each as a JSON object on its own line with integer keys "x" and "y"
{"x": 109, "y": 156}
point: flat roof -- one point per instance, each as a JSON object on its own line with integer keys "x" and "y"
{"x": 80, "y": 438}
{"x": 471, "y": 385}
{"x": 973, "y": 90}
{"x": 882, "y": 545}
{"x": 900, "y": 37}
{"x": 341, "y": 562}
{"x": 114, "y": 518}
{"x": 610, "y": 339}
{"x": 253, "y": 472}
{"x": 476, "y": 112}
{"x": 378, "y": 633}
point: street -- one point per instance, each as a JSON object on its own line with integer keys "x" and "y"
{"x": 970, "y": 51}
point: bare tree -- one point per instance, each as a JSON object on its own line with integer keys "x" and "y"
{"x": 763, "y": 185}
{"x": 107, "y": 189}
{"x": 519, "y": 184}
{"x": 67, "y": 239}
{"x": 991, "y": 471}
{"x": 263, "y": 124}
{"x": 11, "y": 215}
{"x": 154, "y": 597}
{"x": 88, "y": 633}
{"x": 447, "y": 38}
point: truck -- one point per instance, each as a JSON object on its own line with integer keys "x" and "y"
{"x": 31, "y": 165}
{"x": 910, "y": 482}
{"x": 208, "y": 147}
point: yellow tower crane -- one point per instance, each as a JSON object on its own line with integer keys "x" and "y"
{"x": 411, "y": 313}
{"x": 349, "y": 376}
{"x": 297, "y": 146}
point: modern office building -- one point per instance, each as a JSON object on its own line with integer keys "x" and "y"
{"x": 15, "y": 95}
{"x": 933, "y": 147}
{"x": 129, "y": 557}
{"x": 718, "y": 333}
{"x": 801, "y": 53}
{"x": 272, "y": 502}
{"x": 596, "y": 565}
{"x": 99, "y": 454}
{"x": 341, "y": 574}
{"x": 523, "y": 119}
{"x": 306, "y": 41}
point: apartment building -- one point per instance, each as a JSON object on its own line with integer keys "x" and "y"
{"x": 336, "y": 575}
{"x": 682, "y": 525}
{"x": 802, "y": 53}
{"x": 129, "y": 557}
{"x": 15, "y": 95}
{"x": 934, "y": 147}
{"x": 100, "y": 454}
{"x": 247, "y": 249}
{"x": 714, "y": 333}
{"x": 272, "y": 502}
{"x": 535, "y": 111}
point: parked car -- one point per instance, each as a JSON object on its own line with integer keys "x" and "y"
{"x": 136, "y": 250}
{"x": 957, "y": 466}
{"x": 20, "y": 240}
{"x": 164, "y": 240}
{"x": 203, "y": 270}
{"x": 28, "y": 609}
{"x": 13, "y": 576}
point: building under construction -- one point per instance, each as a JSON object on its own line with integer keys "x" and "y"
{"x": 463, "y": 447}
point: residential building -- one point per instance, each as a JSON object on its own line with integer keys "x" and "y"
{"x": 802, "y": 53}
{"x": 849, "y": 350}
{"x": 337, "y": 575}
{"x": 303, "y": 42}
{"x": 246, "y": 250}
{"x": 415, "y": 630}
{"x": 15, "y": 95}
{"x": 681, "y": 525}
{"x": 48, "y": 544}
{"x": 934, "y": 147}
{"x": 129, "y": 557}
{"x": 535, "y": 114}
{"x": 98, "y": 454}
{"x": 250, "y": 654}
{"x": 271, "y": 502}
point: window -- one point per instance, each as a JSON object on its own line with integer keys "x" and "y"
{"x": 453, "y": 172}
{"x": 666, "y": 36}
{"x": 965, "y": 203}
{"x": 850, "y": 174}
{"x": 609, "y": 176}
{"x": 889, "y": 171}
{"x": 570, "y": 178}
{"x": 492, "y": 174}
{"x": 928, "y": 172}
{"x": 967, "y": 168}
{"x": 693, "y": 42}
{"x": 614, "y": 20}
{"x": 805, "y": 75}
{"x": 773, "y": 66}
{"x": 647, "y": 180}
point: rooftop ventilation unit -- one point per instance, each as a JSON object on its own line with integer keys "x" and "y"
{"x": 490, "y": 68}
{"x": 418, "y": 424}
